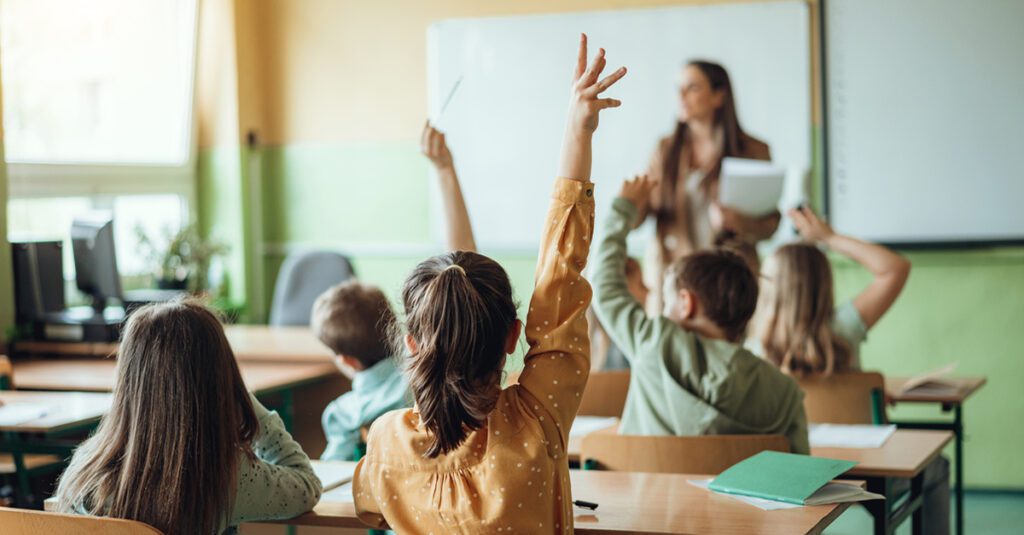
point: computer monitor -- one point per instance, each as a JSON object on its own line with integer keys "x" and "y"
{"x": 38, "y": 280}
{"x": 92, "y": 242}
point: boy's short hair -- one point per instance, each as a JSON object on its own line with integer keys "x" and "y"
{"x": 723, "y": 284}
{"x": 354, "y": 319}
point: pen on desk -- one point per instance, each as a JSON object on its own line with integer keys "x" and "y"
{"x": 586, "y": 505}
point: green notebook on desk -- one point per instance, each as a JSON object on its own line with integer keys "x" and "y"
{"x": 784, "y": 477}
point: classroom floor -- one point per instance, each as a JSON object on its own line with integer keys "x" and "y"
{"x": 985, "y": 514}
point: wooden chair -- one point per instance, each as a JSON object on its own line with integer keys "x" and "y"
{"x": 28, "y": 522}
{"x": 669, "y": 454}
{"x": 605, "y": 394}
{"x": 845, "y": 398}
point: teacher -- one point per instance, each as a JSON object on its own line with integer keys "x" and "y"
{"x": 686, "y": 164}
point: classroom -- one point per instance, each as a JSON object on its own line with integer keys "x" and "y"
{"x": 310, "y": 267}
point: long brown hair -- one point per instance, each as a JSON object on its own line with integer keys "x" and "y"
{"x": 794, "y": 316}
{"x": 459, "y": 309}
{"x": 167, "y": 453}
{"x": 733, "y": 141}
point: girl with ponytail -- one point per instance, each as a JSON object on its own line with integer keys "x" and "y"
{"x": 471, "y": 457}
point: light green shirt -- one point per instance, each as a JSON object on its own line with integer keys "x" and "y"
{"x": 682, "y": 383}
{"x": 376, "y": 390}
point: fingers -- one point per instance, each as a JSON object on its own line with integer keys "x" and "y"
{"x": 606, "y": 82}
{"x": 435, "y": 143}
{"x": 581, "y": 58}
{"x": 603, "y": 103}
{"x": 590, "y": 75}
{"x": 425, "y": 137}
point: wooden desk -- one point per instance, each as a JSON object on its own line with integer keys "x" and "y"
{"x": 950, "y": 402}
{"x": 249, "y": 342}
{"x": 71, "y": 411}
{"x": 640, "y": 503}
{"x": 92, "y": 375}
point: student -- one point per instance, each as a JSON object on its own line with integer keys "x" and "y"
{"x": 796, "y": 325}
{"x": 798, "y": 329}
{"x": 604, "y": 354}
{"x": 689, "y": 374}
{"x": 471, "y": 457}
{"x": 185, "y": 448}
{"x": 354, "y": 320}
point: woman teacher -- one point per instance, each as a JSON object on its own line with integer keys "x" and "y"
{"x": 686, "y": 164}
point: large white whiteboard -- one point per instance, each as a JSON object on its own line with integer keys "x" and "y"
{"x": 926, "y": 119}
{"x": 505, "y": 122}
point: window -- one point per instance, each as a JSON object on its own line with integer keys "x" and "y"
{"x": 98, "y": 115}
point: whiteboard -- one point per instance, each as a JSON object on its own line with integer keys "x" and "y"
{"x": 505, "y": 122}
{"x": 925, "y": 119}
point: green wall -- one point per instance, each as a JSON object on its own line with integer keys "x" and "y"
{"x": 965, "y": 306}
{"x": 6, "y": 271}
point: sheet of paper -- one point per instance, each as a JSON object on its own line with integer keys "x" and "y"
{"x": 752, "y": 187}
{"x": 584, "y": 425}
{"x": 830, "y": 493}
{"x": 933, "y": 376}
{"x": 19, "y": 413}
{"x": 333, "y": 474}
{"x": 849, "y": 436}
{"x": 761, "y": 503}
{"x": 341, "y": 493}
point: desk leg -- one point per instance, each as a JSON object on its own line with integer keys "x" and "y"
{"x": 917, "y": 493}
{"x": 288, "y": 409}
{"x": 958, "y": 452}
{"x": 880, "y": 510}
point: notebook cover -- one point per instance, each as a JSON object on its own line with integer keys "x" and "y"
{"x": 785, "y": 477}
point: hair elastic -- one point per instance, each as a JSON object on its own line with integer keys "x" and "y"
{"x": 456, "y": 266}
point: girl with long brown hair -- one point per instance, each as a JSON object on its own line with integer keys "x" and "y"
{"x": 472, "y": 457}
{"x": 185, "y": 448}
{"x": 686, "y": 165}
{"x": 796, "y": 323}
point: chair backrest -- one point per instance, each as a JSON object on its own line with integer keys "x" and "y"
{"x": 303, "y": 277}
{"x": 605, "y": 394}
{"x": 28, "y": 522}
{"x": 709, "y": 454}
{"x": 6, "y": 373}
{"x": 844, "y": 398}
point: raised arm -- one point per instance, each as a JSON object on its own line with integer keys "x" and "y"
{"x": 558, "y": 362}
{"x": 617, "y": 308}
{"x": 889, "y": 269}
{"x": 459, "y": 231}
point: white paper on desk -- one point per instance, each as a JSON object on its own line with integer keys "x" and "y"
{"x": 751, "y": 187}
{"x": 849, "y": 436}
{"x": 584, "y": 425}
{"x": 342, "y": 493}
{"x": 828, "y": 494}
{"x": 19, "y": 413}
{"x": 332, "y": 474}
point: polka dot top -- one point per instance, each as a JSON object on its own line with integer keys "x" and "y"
{"x": 512, "y": 474}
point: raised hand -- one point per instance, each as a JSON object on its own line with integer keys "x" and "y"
{"x": 584, "y": 106}
{"x": 809, "y": 225}
{"x": 433, "y": 146}
{"x": 638, "y": 191}
{"x": 586, "y": 103}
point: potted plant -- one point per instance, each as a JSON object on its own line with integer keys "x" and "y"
{"x": 184, "y": 262}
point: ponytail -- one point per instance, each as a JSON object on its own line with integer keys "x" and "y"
{"x": 459, "y": 310}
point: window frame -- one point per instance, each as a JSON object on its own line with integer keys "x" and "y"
{"x": 32, "y": 179}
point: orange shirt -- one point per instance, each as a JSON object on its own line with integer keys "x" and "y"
{"x": 512, "y": 474}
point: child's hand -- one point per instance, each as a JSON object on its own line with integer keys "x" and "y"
{"x": 433, "y": 146}
{"x": 809, "y": 225}
{"x": 585, "y": 105}
{"x": 638, "y": 191}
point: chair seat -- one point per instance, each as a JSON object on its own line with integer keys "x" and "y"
{"x": 32, "y": 461}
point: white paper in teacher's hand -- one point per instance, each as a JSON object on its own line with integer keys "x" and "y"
{"x": 751, "y": 187}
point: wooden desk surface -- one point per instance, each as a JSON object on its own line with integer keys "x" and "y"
{"x": 70, "y": 409}
{"x": 641, "y": 503}
{"x": 967, "y": 387}
{"x": 905, "y": 454}
{"x": 98, "y": 375}
{"x": 249, "y": 342}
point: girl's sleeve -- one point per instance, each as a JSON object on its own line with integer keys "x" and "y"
{"x": 279, "y": 482}
{"x": 558, "y": 362}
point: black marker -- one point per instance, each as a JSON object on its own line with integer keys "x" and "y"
{"x": 586, "y": 505}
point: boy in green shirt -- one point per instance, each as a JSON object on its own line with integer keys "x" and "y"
{"x": 690, "y": 373}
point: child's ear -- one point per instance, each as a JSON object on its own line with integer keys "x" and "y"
{"x": 688, "y": 304}
{"x": 352, "y": 362}
{"x": 410, "y": 344}
{"x": 513, "y": 337}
